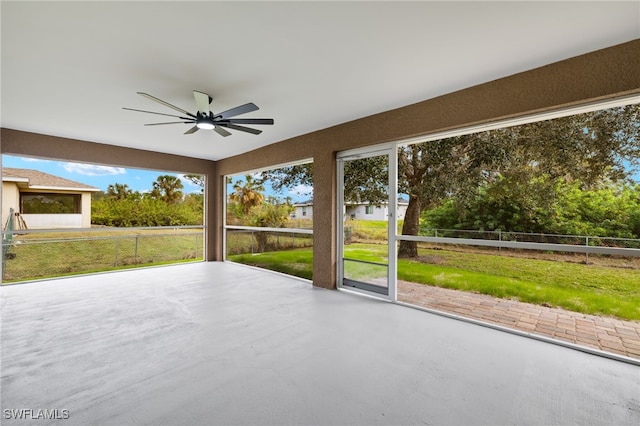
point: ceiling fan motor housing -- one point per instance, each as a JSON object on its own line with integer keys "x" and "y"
{"x": 204, "y": 122}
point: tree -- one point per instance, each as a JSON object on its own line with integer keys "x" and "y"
{"x": 585, "y": 147}
{"x": 118, "y": 191}
{"x": 427, "y": 173}
{"x": 168, "y": 189}
{"x": 247, "y": 194}
{"x": 289, "y": 176}
{"x": 272, "y": 214}
{"x": 197, "y": 180}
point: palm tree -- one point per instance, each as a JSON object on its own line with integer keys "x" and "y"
{"x": 247, "y": 194}
{"x": 168, "y": 189}
{"x": 118, "y": 191}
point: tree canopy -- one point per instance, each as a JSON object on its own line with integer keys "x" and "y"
{"x": 168, "y": 189}
{"x": 247, "y": 193}
{"x": 164, "y": 205}
{"x": 523, "y": 165}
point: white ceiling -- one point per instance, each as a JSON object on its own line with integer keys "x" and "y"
{"x": 68, "y": 68}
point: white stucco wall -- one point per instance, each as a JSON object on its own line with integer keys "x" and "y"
{"x": 86, "y": 210}
{"x": 359, "y": 212}
{"x": 53, "y": 221}
{"x": 402, "y": 211}
{"x": 304, "y": 212}
{"x": 10, "y": 200}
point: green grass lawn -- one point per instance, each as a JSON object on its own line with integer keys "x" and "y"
{"x": 297, "y": 262}
{"x": 581, "y": 288}
{"x": 47, "y": 255}
{"x": 589, "y": 289}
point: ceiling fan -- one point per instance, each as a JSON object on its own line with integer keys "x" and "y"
{"x": 207, "y": 120}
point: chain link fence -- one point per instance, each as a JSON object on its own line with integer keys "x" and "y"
{"x": 578, "y": 240}
{"x": 29, "y": 255}
{"x": 241, "y": 241}
{"x": 588, "y": 248}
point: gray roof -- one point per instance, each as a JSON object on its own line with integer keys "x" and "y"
{"x": 35, "y": 179}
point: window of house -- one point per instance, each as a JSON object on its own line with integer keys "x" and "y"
{"x": 46, "y": 203}
{"x": 304, "y": 211}
{"x": 368, "y": 210}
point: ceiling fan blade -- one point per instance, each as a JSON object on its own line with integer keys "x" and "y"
{"x": 202, "y": 101}
{"x": 242, "y": 109}
{"x": 171, "y": 122}
{"x": 222, "y": 132}
{"x": 167, "y": 104}
{"x": 158, "y": 113}
{"x": 241, "y": 128}
{"x": 250, "y": 120}
{"x": 192, "y": 130}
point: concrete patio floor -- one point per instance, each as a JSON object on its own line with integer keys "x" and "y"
{"x": 215, "y": 343}
{"x": 602, "y": 333}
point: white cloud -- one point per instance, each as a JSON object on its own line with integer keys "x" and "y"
{"x": 93, "y": 170}
{"x": 185, "y": 181}
{"x": 301, "y": 190}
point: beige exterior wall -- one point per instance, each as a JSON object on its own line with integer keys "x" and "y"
{"x": 592, "y": 77}
{"x": 85, "y": 208}
{"x": 10, "y": 200}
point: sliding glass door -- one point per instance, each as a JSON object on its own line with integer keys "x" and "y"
{"x": 367, "y": 222}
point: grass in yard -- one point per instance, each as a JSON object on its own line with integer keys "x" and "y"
{"x": 619, "y": 298}
{"x": 298, "y": 262}
{"x": 47, "y": 255}
{"x": 365, "y": 271}
{"x": 590, "y": 289}
{"x": 368, "y": 230}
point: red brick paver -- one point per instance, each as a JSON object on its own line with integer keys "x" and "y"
{"x": 604, "y": 333}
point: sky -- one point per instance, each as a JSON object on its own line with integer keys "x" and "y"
{"x": 94, "y": 175}
{"x": 137, "y": 179}
{"x": 298, "y": 194}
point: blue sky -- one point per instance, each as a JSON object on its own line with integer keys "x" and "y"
{"x": 299, "y": 193}
{"x": 97, "y": 176}
{"x": 137, "y": 179}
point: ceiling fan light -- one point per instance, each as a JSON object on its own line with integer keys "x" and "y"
{"x": 205, "y": 124}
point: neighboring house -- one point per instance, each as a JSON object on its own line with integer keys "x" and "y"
{"x": 360, "y": 211}
{"x": 366, "y": 211}
{"x": 303, "y": 210}
{"x": 45, "y": 201}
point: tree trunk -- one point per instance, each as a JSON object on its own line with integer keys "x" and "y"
{"x": 411, "y": 226}
{"x": 262, "y": 239}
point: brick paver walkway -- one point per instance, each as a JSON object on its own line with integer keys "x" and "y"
{"x": 604, "y": 333}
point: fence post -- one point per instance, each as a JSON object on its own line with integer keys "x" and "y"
{"x": 136, "y": 250}
{"x": 115, "y": 263}
{"x": 436, "y": 234}
{"x": 500, "y": 241}
{"x": 586, "y": 262}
